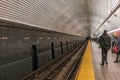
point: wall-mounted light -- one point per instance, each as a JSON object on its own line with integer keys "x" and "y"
{"x": 3, "y": 38}
{"x": 27, "y": 38}
{"x": 48, "y": 37}
{"x": 40, "y": 38}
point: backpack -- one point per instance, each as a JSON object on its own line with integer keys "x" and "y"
{"x": 105, "y": 41}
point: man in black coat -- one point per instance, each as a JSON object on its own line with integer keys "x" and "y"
{"x": 105, "y": 44}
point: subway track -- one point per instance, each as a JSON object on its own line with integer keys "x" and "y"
{"x": 63, "y": 68}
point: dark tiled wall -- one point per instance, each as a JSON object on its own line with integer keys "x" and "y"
{"x": 16, "y": 42}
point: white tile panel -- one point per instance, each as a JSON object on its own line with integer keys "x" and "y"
{"x": 77, "y": 17}
{"x": 50, "y": 14}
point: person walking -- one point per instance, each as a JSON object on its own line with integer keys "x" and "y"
{"x": 105, "y": 44}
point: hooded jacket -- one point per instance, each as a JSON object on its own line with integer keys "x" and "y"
{"x": 105, "y": 41}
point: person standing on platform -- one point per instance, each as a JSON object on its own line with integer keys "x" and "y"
{"x": 114, "y": 43}
{"x": 105, "y": 44}
{"x": 117, "y": 54}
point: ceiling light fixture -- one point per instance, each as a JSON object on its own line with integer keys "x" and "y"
{"x": 108, "y": 22}
{"x": 115, "y": 15}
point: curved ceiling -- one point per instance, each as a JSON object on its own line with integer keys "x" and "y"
{"x": 100, "y": 11}
{"x": 76, "y": 17}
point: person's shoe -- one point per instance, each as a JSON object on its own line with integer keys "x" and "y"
{"x": 102, "y": 64}
{"x": 115, "y": 61}
{"x": 106, "y": 62}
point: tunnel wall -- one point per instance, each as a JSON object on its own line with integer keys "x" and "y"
{"x": 16, "y": 42}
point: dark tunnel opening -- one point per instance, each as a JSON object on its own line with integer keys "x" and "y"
{"x": 34, "y": 58}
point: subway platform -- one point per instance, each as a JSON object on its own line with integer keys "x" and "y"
{"x": 90, "y": 69}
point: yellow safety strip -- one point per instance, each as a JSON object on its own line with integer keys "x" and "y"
{"x": 86, "y": 69}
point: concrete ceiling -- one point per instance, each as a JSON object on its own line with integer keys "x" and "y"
{"x": 77, "y": 17}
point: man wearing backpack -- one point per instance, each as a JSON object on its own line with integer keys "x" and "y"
{"x": 105, "y": 44}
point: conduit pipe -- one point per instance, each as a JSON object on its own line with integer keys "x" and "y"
{"x": 112, "y": 12}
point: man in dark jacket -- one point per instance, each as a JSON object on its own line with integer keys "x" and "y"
{"x": 105, "y": 44}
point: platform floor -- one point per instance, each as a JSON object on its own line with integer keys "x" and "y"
{"x": 106, "y": 72}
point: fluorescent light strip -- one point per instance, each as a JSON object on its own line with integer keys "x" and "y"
{"x": 114, "y": 30}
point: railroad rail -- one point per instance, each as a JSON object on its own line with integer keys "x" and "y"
{"x": 63, "y": 68}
